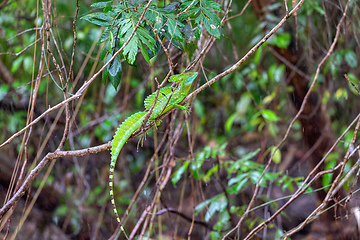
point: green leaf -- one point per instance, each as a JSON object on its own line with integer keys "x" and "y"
{"x": 126, "y": 25}
{"x": 119, "y": 8}
{"x": 287, "y": 184}
{"x": 146, "y": 38}
{"x": 104, "y": 51}
{"x": 255, "y": 176}
{"x": 101, "y": 19}
{"x": 173, "y": 6}
{"x": 62, "y": 210}
{"x": 330, "y": 162}
{"x": 174, "y": 42}
{"x": 211, "y": 27}
{"x": 211, "y": 4}
{"x": 3, "y": 91}
{"x": 157, "y": 48}
{"x": 195, "y": 167}
{"x": 164, "y": 11}
{"x": 16, "y": 64}
{"x": 230, "y": 122}
{"x": 279, "y": 233}
{"x": 102, "y": 4}
{"x": 131, "y": 49}
{"x": 341, "y": 93}
{"x": 277, "y": 156}
{"x": 241, "y": 184}
{"x": 202, "y": 205}
{"x": 355, "y": 81}
{"x": 103, "y": 16}
{"x": 107, "y": 9}
{"x": 145, "y": 53}
{"x": 178, "y": 173}
{"x": 280, "y": 40}
{"x": 218, "y": 204}
{"x": 211, "y": 15}
{"x": 214, "y": 169}
{"x": 174, "y": 28}
{"x": 269, "y": 115}
{"x": 276, "y": 72}
{"x": 197, "y": 31}
{"x": 150, "y": 14}
{"x": 192, "y": 12}
{"x": 350, "y": 58}
{"x": 16, "y": 119}
{"x": 105, "y": 35}
{"x": 104, "y": 75}
{"x": 111, "y": 39}
{"x": 115, "y": 70}
{"x": 237, "y": 178}
{"x": 158, "y": 21}
{"x": 279, "y": 73}
{"x": 185, "y": 4}
{"x": 28, "y": 63}
{"x": 241, "y": 162}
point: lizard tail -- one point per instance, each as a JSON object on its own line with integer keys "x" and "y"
{"x": 128, "y": 127}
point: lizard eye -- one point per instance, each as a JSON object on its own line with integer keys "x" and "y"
{"x": 163, "y": 94}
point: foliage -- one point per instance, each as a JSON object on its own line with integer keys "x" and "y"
{"x": 241, "y": 173}
{"x": 173, "y": 22}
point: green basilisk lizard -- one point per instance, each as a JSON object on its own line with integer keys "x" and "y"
{"x": 166, "y": 99}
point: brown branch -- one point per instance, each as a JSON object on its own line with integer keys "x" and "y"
{"x": 26, "y": 48}
{"x": 74, "y": 44}
{"x": 22, "y": 32}
{"x": 50, "y": 156}
{"x": 184, "y": 216}
{"x": 3, "y": 4}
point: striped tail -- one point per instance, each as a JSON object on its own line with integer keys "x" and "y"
{"x": 128, "y": 127}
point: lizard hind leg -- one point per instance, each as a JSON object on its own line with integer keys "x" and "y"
{"x": 184, "y": 108}
{"x": 157, "y": 123}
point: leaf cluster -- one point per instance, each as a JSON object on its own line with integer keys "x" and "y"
{"x": 177, "y": 22}
{"x": 241, "y": 173}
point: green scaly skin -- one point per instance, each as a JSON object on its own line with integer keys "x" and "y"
{"x": 168, "y": 98}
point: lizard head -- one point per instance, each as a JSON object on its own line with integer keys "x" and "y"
{"x": 188, "y": 80}
{"x": 185, "y": 80}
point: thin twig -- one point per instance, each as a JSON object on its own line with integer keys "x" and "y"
{"x": 26, "y": 48}
{"x": 74, "y": 44}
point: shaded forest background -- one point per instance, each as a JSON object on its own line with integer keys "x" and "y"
{"x": 269, "y": 151}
